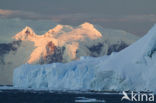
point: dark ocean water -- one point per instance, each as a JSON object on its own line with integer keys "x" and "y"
{"x": 31, "y": 96}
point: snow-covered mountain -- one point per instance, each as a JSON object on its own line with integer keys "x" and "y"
{"x": 65, "y": 43}
{"x": 62, "y": 43}
{"x": 133, "y": 68}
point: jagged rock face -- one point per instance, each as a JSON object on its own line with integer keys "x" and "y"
{"x": 54, "y": 54}
{"x": 102, "y": 48}
{"x": 5, "y": 48}
{"x": 117, "y": 47}
{"x": 50, "y": 48}
{"x": 95, "y": 50}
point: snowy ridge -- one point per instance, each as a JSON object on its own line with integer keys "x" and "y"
{"x": 58, "y": 37}
{"x": 132, "y": 68}
{"x": 26, "y": 34}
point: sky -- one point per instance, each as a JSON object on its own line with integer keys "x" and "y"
{"x": 134, "y": 16}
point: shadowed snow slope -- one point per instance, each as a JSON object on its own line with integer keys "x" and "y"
{"x": 73, "y": 42}
{"x": 132, "y": 68}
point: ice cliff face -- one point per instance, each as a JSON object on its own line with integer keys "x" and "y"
{"x": 73, "y": 42}
{"x": 133, "y": 68}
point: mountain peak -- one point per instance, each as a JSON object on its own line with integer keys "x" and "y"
{"x": 87, "y": 25}
{"x": 26, "y": 33}
{"x": 56, "y": 29}
{"x": 28, "y": 30}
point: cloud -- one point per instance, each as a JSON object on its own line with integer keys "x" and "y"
{"x": 78, "y": 17}
{"x": 8, "y": 12}
{"x": 127, "y": 18}
{"x": 34, "y": 15}
{"x": 18, "y": 13}
{"x": 138, "y": 18}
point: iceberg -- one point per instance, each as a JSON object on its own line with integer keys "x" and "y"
{"x": 133, "y": 68}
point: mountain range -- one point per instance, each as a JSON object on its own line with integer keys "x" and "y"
{"x": 63, "y": 43}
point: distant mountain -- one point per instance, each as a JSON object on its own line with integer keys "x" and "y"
{"x": 65, "y": 43}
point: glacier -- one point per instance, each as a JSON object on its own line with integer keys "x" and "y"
{"x": 133, "y": 68}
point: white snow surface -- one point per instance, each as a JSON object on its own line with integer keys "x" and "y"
{"x": 133, "y": 68}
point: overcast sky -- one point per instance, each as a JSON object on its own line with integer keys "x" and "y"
{"x": 135, "y": 16}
